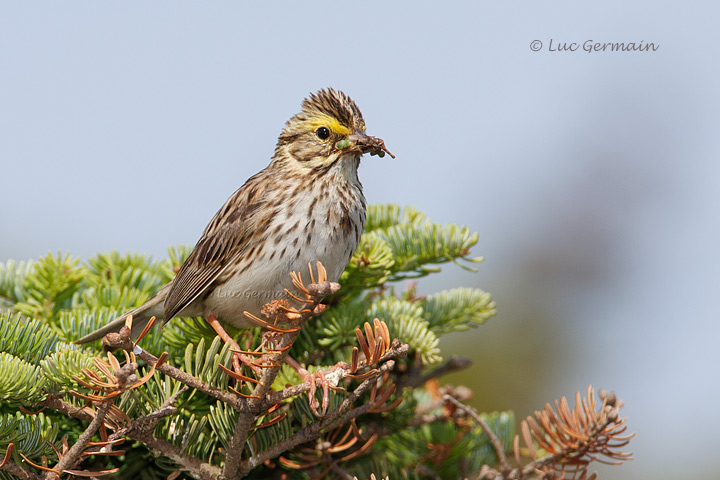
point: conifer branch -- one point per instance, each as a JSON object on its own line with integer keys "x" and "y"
{"x": 20, "y": 472}
{"x": 56, "y": 403}
{"x": 418, "y": 377}
{"x": 123, "y": 340}
{"x": 574, "y": 438}
{"x": 396, "y": 350}
{"x": 148, "y": 422}
{"x": 341, "y": 415}
{"x": 499, "y": 449}
{"x": 570, "y": 439}
{"x": 69, "y": 459}
{"x": 196, "y": 467}
{"x": 280, "y": 342}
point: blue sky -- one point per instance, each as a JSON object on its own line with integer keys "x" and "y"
{"x": 592, "y": 178}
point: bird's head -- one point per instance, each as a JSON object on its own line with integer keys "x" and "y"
{"x": 329, "y": 131}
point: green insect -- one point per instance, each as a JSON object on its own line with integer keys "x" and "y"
{"x": 343, "y": 144}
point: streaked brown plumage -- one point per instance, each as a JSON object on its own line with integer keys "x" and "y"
{"x": 306, "y": 205}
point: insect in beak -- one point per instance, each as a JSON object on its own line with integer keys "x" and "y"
{"x": 360, "y": 142}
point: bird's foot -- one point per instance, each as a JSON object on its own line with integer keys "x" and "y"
{"x": 238, "y": 355}
{"x": 325, "y": 379}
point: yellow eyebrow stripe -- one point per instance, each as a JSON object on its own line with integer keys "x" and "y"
{"x": 322, "y": 120}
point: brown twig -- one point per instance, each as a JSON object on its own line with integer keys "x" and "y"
{"x": 416, "y": 377}
{"x": 340, "y": 472}
{"x": 425, "y": 471}
{"x": 348, "y": 441}
{"x": 397, "y": 350}
{"x": 149, "y": 421}
{"x": 56, "y": 403}
{"x": 124, "y": 342}
{"x": 499, "y": 450}
{"x": 453, "y": 364}
{"x": 196, "y": 467}
{"x": 141, "y": 430}
{"x": 73, "y": 455}
{"x": 247, "y": 419}
{"x": 20, "y": 472}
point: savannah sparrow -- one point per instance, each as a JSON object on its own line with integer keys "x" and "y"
{"x": 306, "y": 205}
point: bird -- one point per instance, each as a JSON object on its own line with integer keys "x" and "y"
{"x": 306, "y": 206}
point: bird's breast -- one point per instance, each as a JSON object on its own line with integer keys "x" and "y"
{"x": 321, "y": 225}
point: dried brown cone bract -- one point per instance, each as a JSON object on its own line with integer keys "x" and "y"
{"x": 112, "y": 379}
{"x": 563, "y": 442}
{"x": 374, "y": 345}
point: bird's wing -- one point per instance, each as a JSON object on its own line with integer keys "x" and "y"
{"x": 225, "y": 239}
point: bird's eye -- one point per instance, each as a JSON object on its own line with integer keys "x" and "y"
{"x": 323, "y": 133}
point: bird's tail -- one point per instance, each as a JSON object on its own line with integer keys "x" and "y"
{"x": 141, "y": 316}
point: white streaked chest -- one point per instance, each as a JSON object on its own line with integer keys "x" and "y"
{"x": 321, "y": 225}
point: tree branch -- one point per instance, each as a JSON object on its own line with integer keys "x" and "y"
{"x": 73, "y": 455}
{"x": 123, "y": 341}
{"x": 81, "y": 413}
{"x": 415, "y": 377}
{"x": 499, "y": 450}
{"x": 312, "y": 296}
{"x": 275, "y": 397}
{"x": 20, "y": 472}
{"x": 149, "y": 421}
{"x": 245, "y": 420}
{"x": 339, "y": 416}
{"x": 194, "y": 466}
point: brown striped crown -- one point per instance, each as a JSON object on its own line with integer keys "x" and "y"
{"x": 326, "y": 109}
{"x": 335, "y": 104}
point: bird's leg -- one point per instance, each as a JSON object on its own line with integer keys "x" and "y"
{"x": 237, "y": 355}
{"x": 319, "y": 376}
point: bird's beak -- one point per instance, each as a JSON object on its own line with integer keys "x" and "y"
{"x": 363, "y": 143}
